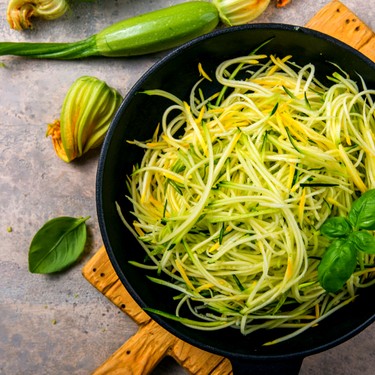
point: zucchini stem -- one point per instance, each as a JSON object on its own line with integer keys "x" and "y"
{"x": 61, "y": 51}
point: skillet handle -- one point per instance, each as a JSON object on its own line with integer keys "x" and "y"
{"x": 270, "y": 367}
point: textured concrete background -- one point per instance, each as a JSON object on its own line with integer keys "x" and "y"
{"x": 60, "y": 324}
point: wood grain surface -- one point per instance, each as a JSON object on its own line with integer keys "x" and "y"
{"x": 336, "y": 20}
{"x": 143, "y": 351}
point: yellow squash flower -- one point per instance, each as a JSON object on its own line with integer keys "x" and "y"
{"x": 86, "y": 114}
{"x": 240, "y": 12}
{"x": 20, "y": 12}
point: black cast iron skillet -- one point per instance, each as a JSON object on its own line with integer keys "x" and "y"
{"x": 137, "y": 118}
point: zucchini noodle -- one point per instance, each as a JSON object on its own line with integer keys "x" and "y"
{"x": 229, "y": 197}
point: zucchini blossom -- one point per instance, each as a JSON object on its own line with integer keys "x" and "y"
{"x": 86, "y": 114}
{"x": 20, "y": 12}
{"x": 239, "y": 12}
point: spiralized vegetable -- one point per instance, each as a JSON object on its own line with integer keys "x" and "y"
{"x": 229, "y": 198}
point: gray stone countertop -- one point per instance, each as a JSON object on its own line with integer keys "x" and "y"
{"x": 60, "y": 324}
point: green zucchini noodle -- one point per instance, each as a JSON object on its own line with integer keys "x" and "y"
{"x": 233, "y": 188}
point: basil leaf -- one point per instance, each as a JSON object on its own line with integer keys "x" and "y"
{"x": 362, "y": 212}
{"x": 363, "y": 241}
{"x": 337, "y": 265}
{"x": 337, "y": 226}
{"x": 57, "y": 244}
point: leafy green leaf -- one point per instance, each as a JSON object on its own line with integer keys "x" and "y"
{"x": 362, "y": 212}
{"x": 334, "y": 227}
{"x": 57, "y": 244}
{"x": 337, "y": 265}
{"x": 363, "y": 241}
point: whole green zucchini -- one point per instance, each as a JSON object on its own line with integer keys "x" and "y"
{"x": 147, "y": 33}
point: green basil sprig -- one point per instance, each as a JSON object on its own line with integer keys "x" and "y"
{"x": 57, "y": 244}
{"x": 349, "y": 235}
{"x": 362, "y": 213}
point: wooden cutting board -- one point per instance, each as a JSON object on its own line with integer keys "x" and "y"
{"x": 143, "y": 351}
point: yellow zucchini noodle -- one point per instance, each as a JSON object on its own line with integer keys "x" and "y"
{"x": 233, "y": 188}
